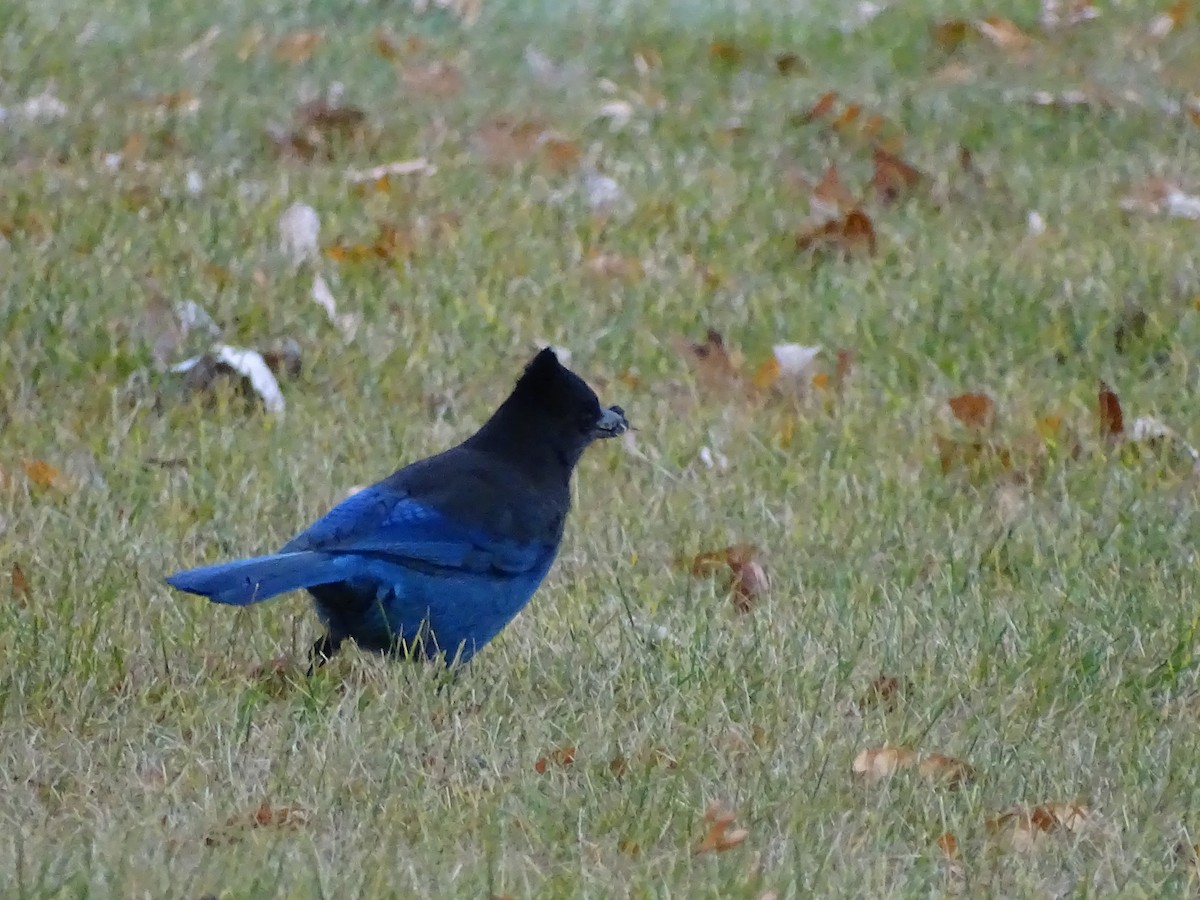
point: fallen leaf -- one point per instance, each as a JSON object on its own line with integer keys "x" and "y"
{"x": 201, "y": 372}
{"x": 45, "y": 475}
{"x": 948, "y": 844}
{"x": 330, "y": 119}
{"x": 947, "y": 770}
{"x": 725, "y": 52}
{"x": 1157, "y": 196}
{"x": 1112, "y": 420}
{"x": 560, "y": 756}
{"x": 298, "y": 46}
{"x": 843, "y": 367}
{"x": 347, "y": 323}
{"x": 710, "y": 361}
{"x": 973, "y": 410}
{"x": 850, "y": 235}
{"x": 418, "y": 166}
{"x": 1061, "y": 13}
{"x": 893, "y": 177}
{"x": 720, "y": 835}
{"x": 1169, "y": 20}
{"x": 789, "y": 64}
{"x": 439, "y": 80}
{"x": 886, "y": 692}
{"x": 951, "y": 35}
{"x": 830, "y": 196}
{"x": 820, "y": 109}
{"x": 614, "y": 266}
{"x": 749, "y": 577}
{"x": 877, "y": 763}
{"x": 20, "y": 584}
{"x": 299, "y": 232}
{"x": 1024, "y": 827}
{"x": 1004, "y": 34}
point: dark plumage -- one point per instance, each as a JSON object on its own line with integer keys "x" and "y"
{"x": 439, "y": 556}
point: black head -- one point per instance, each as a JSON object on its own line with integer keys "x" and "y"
{"x": 552, "y": 409}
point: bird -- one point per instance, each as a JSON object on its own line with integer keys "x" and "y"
{"x": 436, "y": 559}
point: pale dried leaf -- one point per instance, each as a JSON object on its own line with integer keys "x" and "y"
{"x": 251, "y": 366}
{"x": 877, "y": 763}
{"x": 299, "y": 233}
{"x": 418, "y": 166}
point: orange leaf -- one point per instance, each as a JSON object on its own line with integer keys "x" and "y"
{"x": 560, "y": 756}
{"x": 267, "y": 816}
{"x": 848, "y": 117}
{"x": 948, "y": 844}
{"x": 765, "y": 375}
{"x": 893, "y": 176}
{"x": 820, "y": 109}
{"x": 1112, "y": 422}
{"x": 44, "y": 475}
{"x": 440, "y": 80}
{"x": 973, "y": 410}
{"x": 720, "y": 834}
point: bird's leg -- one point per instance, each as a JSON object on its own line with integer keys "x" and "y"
{"x": 323, "y": 650}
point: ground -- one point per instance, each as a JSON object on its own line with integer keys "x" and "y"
{"x": 1031, "y": 586}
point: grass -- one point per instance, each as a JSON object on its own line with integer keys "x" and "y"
{"x": 1032, "y": 622}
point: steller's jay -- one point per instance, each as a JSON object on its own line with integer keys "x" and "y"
{"x": 439, "y": 556}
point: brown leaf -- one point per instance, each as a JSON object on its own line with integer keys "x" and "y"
{"x": 947, "y": 770}
{"x": 749, "y": 577}
{"x": 973, "y": 410}
{"x": 45, "y": 475}
{"x": 789, "y": 64}
{"x": 1112, "y": 421}
{"x": 1024, "y": 827}
{"x": 820, "y": 109}
{"x": 329, "y": 119}
{"x": 971, "y": 454}
{"x": 948, "y": 844}
{"x": 725, "y": 52}
{"x": 720, "y": 835}
{"x": 950, "y": 35}
{"x": 894, "y": 177}
{"x": 877, "y": 763}
{"x": 20, "y": 584}
{"x": 843, "y": 367}
{"x": 832, "y": 194}
{"x": 560, "y": 756}
{"x": 710, "y": 361}
{"x": 850, "y": 235}
{"x": 439, "y": 80}
{"x": 614, "y": 266}
{"x": 267, "y": 816}
{"x": 885, "y": 691}
{"x": 298, "y": 46}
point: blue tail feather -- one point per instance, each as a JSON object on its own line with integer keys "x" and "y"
{"x": 247, "y": 581}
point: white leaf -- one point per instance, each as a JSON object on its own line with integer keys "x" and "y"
{"x": 251, "y": 366}
{"x": 193, "y": 183}
{"x": 1183, "y": 206}
{"x": 45, "y": 107}
{"x": 795, "y": 359}
{"x": 618, "y": 112}
{"x": 299, "y": 232}
{"x": 418, "y": 166}
{"x": 1035, "y": 223}
{"x": 192, "y": 316}
{"x": 603, "y": 192}
{"x": 323, "y": 297}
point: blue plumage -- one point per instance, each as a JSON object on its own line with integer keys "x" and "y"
{"x": 437, "y": 558}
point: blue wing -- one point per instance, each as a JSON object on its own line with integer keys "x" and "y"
{"x": 379, "y": 522}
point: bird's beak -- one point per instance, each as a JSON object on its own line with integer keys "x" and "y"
{"x": 611, "y": 423}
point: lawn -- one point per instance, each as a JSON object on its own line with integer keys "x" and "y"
{"x": 1012, "y": 585}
